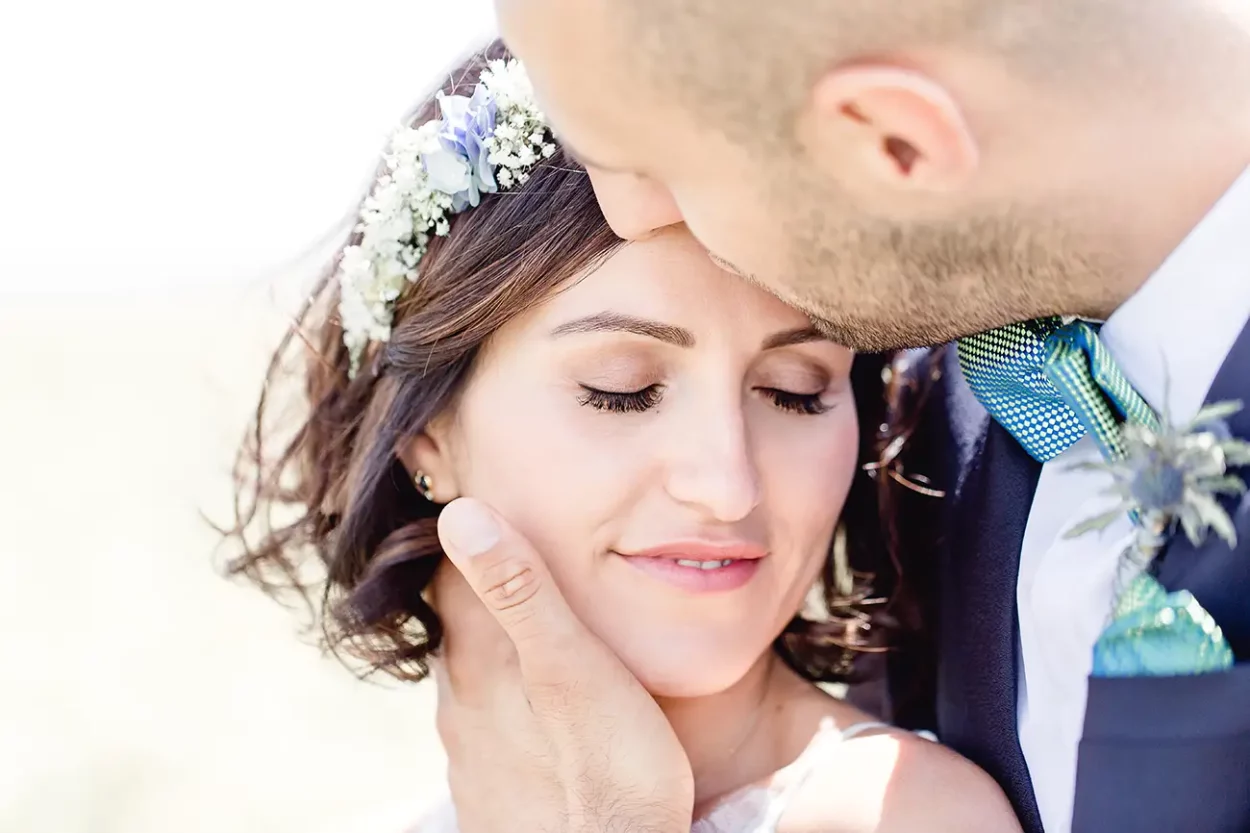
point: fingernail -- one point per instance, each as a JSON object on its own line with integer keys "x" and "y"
{"x": 468, "y": 528}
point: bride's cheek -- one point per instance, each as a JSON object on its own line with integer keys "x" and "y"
{"x": 832, "y": 446}
{"x": 810, "y": 470}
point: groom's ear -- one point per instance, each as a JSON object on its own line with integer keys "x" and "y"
{"x": 876, "y": 128}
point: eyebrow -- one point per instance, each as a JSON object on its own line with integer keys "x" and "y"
{"x": 799, "y": 335}
{"x": 611, "y": 322}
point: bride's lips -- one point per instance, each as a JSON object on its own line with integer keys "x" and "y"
{"x": 721, "y": 567}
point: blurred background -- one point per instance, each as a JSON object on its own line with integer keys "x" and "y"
{"x": 172, "y": 177}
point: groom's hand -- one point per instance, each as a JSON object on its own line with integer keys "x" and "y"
{"x": 544, "y": 728}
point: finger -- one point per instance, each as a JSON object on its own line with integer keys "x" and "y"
{"x": 477, "y": 660}
{"x": 510, "y": 578}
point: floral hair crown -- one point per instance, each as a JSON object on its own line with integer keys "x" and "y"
{"x": 481, "y": 145}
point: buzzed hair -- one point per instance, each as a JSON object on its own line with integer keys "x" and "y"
{"x": 721, "y": 57}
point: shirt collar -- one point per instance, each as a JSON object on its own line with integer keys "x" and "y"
{"x": 1171, "y": 337}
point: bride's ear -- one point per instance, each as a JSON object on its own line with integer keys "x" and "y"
{"x": 428, "y": 458}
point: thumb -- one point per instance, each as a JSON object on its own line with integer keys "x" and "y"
{"x": 511, "y": 579}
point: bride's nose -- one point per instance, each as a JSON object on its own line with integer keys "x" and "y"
{"x": 712, "y": 467}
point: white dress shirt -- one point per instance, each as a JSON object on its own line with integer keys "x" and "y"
{"x": 1170, "y": 339}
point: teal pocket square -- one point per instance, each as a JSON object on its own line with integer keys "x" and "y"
{"x": 1154, "y": 633}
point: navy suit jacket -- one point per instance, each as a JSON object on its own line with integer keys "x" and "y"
{"x": 1157, "y": 754}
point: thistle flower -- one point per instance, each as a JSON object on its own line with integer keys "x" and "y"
{"x": 1174, "y": 476}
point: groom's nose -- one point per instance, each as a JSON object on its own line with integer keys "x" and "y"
{"x": 634, "y": 205}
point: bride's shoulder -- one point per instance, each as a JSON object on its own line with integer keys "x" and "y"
{"x": 882, "y": 779}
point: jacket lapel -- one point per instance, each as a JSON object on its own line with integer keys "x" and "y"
{"x": 978, "y": 675}
{"x": 1217, "y": 575}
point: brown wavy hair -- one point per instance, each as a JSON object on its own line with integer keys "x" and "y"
{"x": 327, "y": 514}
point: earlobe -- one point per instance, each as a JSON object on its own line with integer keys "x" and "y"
{"x": 874, "y": 127}
{"x": 425, "y": 456}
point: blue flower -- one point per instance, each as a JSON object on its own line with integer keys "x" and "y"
{"x": 460, "y": 165}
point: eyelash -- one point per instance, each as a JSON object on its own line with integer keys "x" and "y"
{"x": 797, "y": 403}
{"x": 635, "y": 402}
{"x": 632, "y": 402}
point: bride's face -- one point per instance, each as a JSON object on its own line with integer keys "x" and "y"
{"x": 676, "y": 442}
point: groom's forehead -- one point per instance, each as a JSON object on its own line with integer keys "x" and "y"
{"x": 554, "y": 23}
{"x": 577, "y": 58}
{"x": 594, "y": 39}
{"x": 563, "y": 43}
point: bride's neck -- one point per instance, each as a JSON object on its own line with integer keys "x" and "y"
{"x": 731, "y": 737}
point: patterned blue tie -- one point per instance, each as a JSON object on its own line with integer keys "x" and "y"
{"x": 1049, "y": 383}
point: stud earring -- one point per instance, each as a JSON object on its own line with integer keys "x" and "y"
{"x": 425, "y": 485}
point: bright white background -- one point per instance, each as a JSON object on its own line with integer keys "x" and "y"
{"x": 170, "y": 173}
{"x": 151, "y": 143}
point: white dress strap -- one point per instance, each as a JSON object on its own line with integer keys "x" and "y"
{"x": 860, "y": 728}
{"x": 851, "y": 732}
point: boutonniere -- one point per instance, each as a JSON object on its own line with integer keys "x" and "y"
{"x": 1173, "y": 476}
{"x": 1169, "y": 477}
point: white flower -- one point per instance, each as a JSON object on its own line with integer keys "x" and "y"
{"x": 414, "y": 200}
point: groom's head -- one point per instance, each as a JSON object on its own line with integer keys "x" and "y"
{"x": 905, "y": 170}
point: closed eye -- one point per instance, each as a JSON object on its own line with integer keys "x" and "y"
{"x": 621, "y": 402}
{"x": 638, "y": 401}
{"x": 798, "y": 403}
